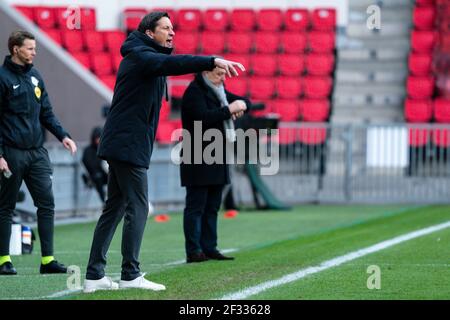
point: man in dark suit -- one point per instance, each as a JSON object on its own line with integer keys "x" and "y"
{"x": 127, "y": 143}
{"x": 206, "y": 102}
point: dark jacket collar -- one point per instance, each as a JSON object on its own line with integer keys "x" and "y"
{"x": 209, "y": 92}
{"x": 16, "y": 68}
{"x": 138, "y": 39}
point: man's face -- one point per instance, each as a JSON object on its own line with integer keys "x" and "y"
{"x": 25, "y": 53}
{"x": 163, "y": 34}
{"x": 217, "y": 76}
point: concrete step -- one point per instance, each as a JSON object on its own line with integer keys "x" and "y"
{"x": 388, "y": 14}
{"x": 351, "y": 55}
{"x": 402, "y": 44}
{"x": 388, "y": 30}
{"x": 373, "y": 88}
{"x": 356, "y": 76}
{"x": 360, "y": 4}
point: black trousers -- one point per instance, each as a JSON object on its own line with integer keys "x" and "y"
{"x": 200, "y": 218}
{"x": 128, "y": 199}
{"x": 33, "y": 167}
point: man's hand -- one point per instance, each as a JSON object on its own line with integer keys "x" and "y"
{"x": 70, "y": 145}
{"x": 3, "y": 165}
{"x": 237, "y": 109}
{"x": 228, "y": 66}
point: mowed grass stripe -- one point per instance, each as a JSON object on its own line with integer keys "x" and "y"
{"x": 215, "y": 279}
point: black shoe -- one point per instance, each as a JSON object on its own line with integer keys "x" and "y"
{"x": 53, "y": 267}
{"x": 218, "y": 256}
{"x": 7, "y": 269}
{"x": 196, "y": 257}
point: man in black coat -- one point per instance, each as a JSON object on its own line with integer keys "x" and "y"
{"x": 206, "y": 103}
{"x": 127, "y": 142}
{"x": 25, "y": 110}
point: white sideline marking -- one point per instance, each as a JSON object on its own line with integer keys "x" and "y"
{"x": 245, "y": 293}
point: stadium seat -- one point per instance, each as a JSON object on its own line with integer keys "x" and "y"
{"x": 66, "y": 18}
{"x": 315, "y": 110}
{"x": 83, "y": 58}
{"x": 164, "y": 111}
{"x": 216, "y": 19}
{"x": 321, "y": 42}
{"x": 72, "y": 40}
{"x": 244, "y": 59}
{"x": 291, "y": 64}
{"x": 287, "y": 135}
{"x": 186, "y": 42}
{"x": 425, "y": 2}
{"x": 177, "y": 90}
{"x": 189, "y": 19}
{"x": 323, "y": 19}
{"x": 423, "y": 41}
{"x": 319, "y": 64}
{"x": 264, "y": 64}
{"x": 269, "y": 19}
{"x": 113, "y": 40}
{"x": 93, "y": 41}
{"x": 311, "y": 136}
{"x": 296, "y": 19}
{"x": 442, "y": 110}
{"x": 266, "y": 42}
{"x": 132, "y": 17}
{"x": 212, "y": 42}
{"x": 288, "y": 87}
{"x": 88, "y": 18}
{"x": 419, "y": 64}
{"x": 26, "y": 11}
{"x": 317, "y": 87}
{"x": 424, "y": 18}
{"x": 44, "y": 17}
{"x": 289, "y": 110}
{"x": 261, "y": 88}
{"x": 239, "y": 42}
{"x": 242, "y": 20}
{"x": 101, "y": 64}
{"x": 109, "y": 81}
{"x": 164, "y": 132}
{"x": 418, "y": 137}
{"x": 116, "y": 60}
{"x": 293, "y": 42}
{"x": 441, "y": 137}
{"x": 418, "y": 110}
{"x": 237, "y": 86}
{"x": 55, "y": 34}
{"x": 420, "y": 87}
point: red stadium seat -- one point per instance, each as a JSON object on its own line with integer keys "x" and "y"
{"x": 420, "y": 87}
{"x": 311, "y": 136}
{"x": 264, "y": 64}
{"x": 420, "y": 64}
{"x": 261, "y": 88}
{"x": 296, "y": 19}
{"x": 55, "y": 34}
{"x": 45, "y": 17}
{"x": 442, "y": 110}
{"x": 164, "y": 111}
{"x": 291, "y": 64}
{"x": 113, "y": 40}
{"x": 109, "y": 81}
{"x": 321, "y": 42}
{"x": 287, "y": 135}
{"x": 75, "y": 18}
{"x": 269, "y": 19}
{"x": 289, "y": 87}
{"x": 319, "y": 64}
{"x": 423, "y": 41}
{"x": 216, "y": 19}
{"x": 315, "y": 110}
{"x": 132, "y": 17}
{"x": 441, "y": 137}
{"x": 418, "y": 110}
{"x": 289, "y": 110}
{"x": 418, "y": 137}
{"x": 237, "y": 86}
{"x": 212, "y": 42}
{"x": 266, "y": 42}
{"x": 293, "y": 42}
{"x": 189, "y": 19}
{"x": 317, "y": 87}
{"x": 239, "y": 42}
{"x": 244, "y": 59}
{"x": 186, "y": 42}
{"x": 425, "y": 2}
{"x": 83, "y": 58}
{"x": 424, "y": 18}
{"x": 88, "y": 18}
{"x": 177, "y": 90}
{"x": 116, "y": 60}
{"x": 242, "y": 19}
{"x": 72, "y": 40}
{"x": 101, "y": 64}
{"x": 26, "y": 11}
{"x": 93, "y": 41}
{"x": 164, "y": 132}
{"x": 323, "y": 19}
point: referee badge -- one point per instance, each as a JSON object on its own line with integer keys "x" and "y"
{"x": 37, "y": 92}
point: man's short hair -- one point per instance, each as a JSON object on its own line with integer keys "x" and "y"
{"x": 17, "y": 38}
{"x": 150, "y": 21}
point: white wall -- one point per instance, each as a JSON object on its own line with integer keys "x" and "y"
{"x": 108, "y": 11}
